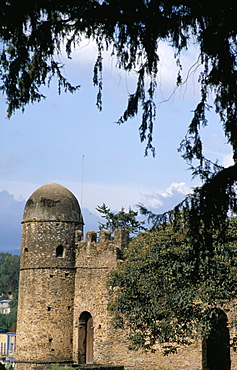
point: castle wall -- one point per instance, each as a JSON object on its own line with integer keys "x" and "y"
{"x": 63, "y": 295}
{"x": 94, "y": 260}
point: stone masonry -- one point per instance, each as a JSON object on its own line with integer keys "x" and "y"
{"x": 47, "y": 273}
{"x": 63, "y": 296}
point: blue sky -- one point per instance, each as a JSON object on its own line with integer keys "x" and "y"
{"x": 65, "y": 139}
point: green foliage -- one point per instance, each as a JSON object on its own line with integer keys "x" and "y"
{"x": 166, "y": 292}
{"x": 32, "y": 41}
{"x": 120, "y": 220}
{"x": 33, "y": 35}
{"x": 9, "y": 278}
{"x": 8, "y": 321}
{"x": 9, "y": 273}
{"x": 205, "y": 211}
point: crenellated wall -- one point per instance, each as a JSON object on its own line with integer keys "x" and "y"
{"x": 93, "y": 262}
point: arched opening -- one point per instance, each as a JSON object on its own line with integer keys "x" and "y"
{"x": 59, "y": 251}
{"x": 216, "y": 348}
{"x": 85, "y": 339}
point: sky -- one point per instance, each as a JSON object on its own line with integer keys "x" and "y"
{"x": 66, "y": 140}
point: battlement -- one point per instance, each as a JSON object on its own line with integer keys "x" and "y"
{"x": 105, "y": 251}
{"x": 120, "y": 239}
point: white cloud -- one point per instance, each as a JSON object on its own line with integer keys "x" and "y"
{"x": 164, "y": 201}
{"x": 228, "y": 160}
{"x": 176, "y": 188}
{"x": 115, "y": 196}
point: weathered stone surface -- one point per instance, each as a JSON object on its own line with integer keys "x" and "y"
{"x": 63, "y": 296}
{"x": 98, "y": 367}
{"x": 52, "y": 202}
{"x": 47, "y": 273}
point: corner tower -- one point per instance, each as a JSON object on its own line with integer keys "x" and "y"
{"x": 52, "y": 218}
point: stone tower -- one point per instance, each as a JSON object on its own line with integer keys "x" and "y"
{"x": 52, "y": 219}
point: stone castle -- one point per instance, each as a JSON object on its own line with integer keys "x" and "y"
{"x": 63, "y": 296}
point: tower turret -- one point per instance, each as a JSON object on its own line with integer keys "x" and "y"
{"x": 52, "y": 218}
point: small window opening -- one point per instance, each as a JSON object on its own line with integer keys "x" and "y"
{"x": 50, "y": 340}
{"x": 69, "y": 308}
{"x": 49, "y": 308}
{"x": 66, "y": 274}
{"x": 59, "y": 251}
{"x": 25, "y": 250}
{"x": 51, "y": 276}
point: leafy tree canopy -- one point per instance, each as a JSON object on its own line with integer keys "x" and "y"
{"x": 33, "y": 34}
{"x": 120, "y": 220}
{"x": 166, "y": 293}
{"x": 9, "y": 279}
{"x": 8, "y": 321}
{"x": 9, "y": 274}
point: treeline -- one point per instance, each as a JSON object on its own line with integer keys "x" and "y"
{"x": 9, "y": 279}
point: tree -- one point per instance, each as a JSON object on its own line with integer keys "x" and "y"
{"x": 8, "y": 321}
{"x": 163, "y": 294}
{"x": 33, "y": 34}
{"x": 9, "y": 279}
{"x": 120, "y": 220}
{"x": 9, "y": 273}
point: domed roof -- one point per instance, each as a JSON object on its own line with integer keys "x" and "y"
{"x": 52, "y": 202}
